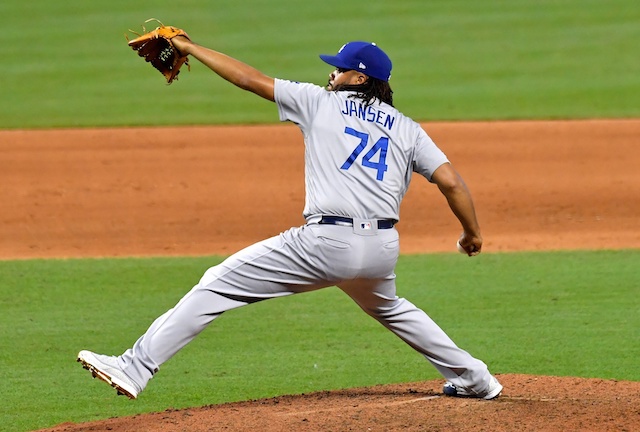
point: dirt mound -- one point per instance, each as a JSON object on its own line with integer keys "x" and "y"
{"x": 528, "y": 403}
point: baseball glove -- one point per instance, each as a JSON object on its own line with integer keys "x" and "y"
{"x": 156, "y": 48}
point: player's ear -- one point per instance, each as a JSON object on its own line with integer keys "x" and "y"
{"x": 361, "y": 79}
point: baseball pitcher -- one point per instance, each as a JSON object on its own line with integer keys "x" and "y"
{"x": 360, "y": 154}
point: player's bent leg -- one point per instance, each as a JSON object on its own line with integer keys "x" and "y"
{"x": 265, "y": 270}
{"x": 417, "y": 329}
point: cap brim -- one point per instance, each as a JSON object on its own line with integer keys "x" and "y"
{"x": 334, "y": 61}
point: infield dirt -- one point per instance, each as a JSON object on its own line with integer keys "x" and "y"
{"x": 213, "y": 190}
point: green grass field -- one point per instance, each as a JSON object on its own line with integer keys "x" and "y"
{"x": 562, "y": 313}
{"x": 68, "y": 65}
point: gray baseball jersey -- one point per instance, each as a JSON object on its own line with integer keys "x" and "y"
{"x": 358, "y": 159}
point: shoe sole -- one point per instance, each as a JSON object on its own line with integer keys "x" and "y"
{"x": 96, "y": 373}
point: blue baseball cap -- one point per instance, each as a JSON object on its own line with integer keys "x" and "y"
{"x": 363, "y": 57}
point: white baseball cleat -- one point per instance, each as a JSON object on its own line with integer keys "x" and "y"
{"x": 106, "y": 368}
{"x": 492, "y": 392}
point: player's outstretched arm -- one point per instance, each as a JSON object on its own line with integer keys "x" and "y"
{"x": 459, "y": 198}
{"x": 236, "y": 72}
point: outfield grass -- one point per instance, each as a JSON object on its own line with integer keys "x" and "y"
{"x": 68, "y": 63}
{"x": 561, "y": 313}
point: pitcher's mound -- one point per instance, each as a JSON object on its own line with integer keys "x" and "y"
{"x": 528, "y": 403}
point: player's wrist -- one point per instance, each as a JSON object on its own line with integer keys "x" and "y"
{"x": 182, "y": 44}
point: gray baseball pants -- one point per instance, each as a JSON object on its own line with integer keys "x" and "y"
{"x": 359, "y": 261}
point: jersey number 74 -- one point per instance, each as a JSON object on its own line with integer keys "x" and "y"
{"x": 380, "y": 148}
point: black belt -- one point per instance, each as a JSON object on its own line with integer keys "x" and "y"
{"x": 339, "y": 220}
